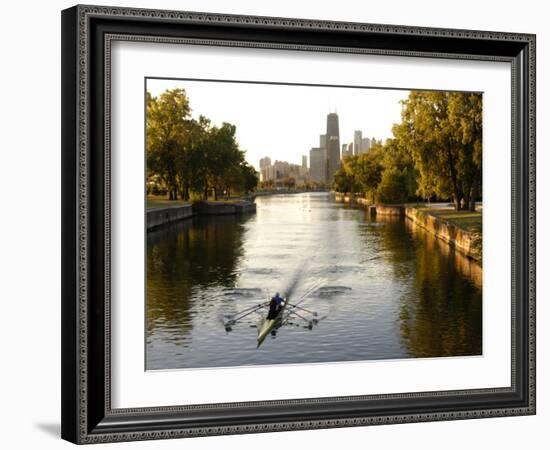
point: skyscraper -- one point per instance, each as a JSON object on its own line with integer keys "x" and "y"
{"x": 332, "y": 147}
{"x": 357, "y": 142}
{"x": 347, "y": 150}
{"x": 365, "y": 145}
{"x": 317, "y": 164}
{"x": 303, "y": 170}
{"x": 266, "y": 172}
{"x": 323, "y": 141}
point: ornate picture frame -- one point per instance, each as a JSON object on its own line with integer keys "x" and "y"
{"x": 88, "y": 33}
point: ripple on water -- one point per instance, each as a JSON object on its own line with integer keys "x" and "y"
{"x": 384, "y": 293}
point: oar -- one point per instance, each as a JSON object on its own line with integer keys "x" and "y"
{"x": 303, "y": 309}
{"x": 252, "y": 307}
{"x": 303, "y": 297}
{"x": 240, "y": 314}
{"x": 309, "y": 322}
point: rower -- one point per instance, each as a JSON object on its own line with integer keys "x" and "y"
{"x": 275, "y": 306}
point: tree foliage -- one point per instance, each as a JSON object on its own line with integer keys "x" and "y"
{"x": 192, "y": 154}
{"x": 167, "y": 126}
{"x": 443, "y": 133}
{"x": 435, "y": 152}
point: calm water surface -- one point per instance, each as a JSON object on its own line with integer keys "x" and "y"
{"x": 382, "y": 288}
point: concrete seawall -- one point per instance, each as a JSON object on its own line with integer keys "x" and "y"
{"x": 467, "y": 243}
{"x": 387, "y": 210}
{"x": 464, "y": 241}
{"x": 162, "y": 216}
{"x": 217, "y": 208}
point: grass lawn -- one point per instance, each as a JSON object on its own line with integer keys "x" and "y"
{"x": 467, "y": 220}
{"x": 160, "y": 201}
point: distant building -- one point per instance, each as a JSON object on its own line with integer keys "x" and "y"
{"x": 317, "y": 171}
{"x": 365, "y": 145}
{"x": 357, "y": 142}
{"x": 266, "y": 169}
{"x": 281, "y": 169}
{"x": 303, "y": 170}
{"x": 332, "y": 148}
{"x": 347, "y": 150}
{"x": 295, "y": 171}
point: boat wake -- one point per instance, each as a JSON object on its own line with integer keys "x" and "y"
{"x": 331, "y": 291}
{"x": 243, "y": 292}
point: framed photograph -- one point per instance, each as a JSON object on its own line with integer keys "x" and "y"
{"x": 280, "y": 224}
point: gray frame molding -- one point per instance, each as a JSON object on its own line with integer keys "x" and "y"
{"x": 79, "y": 429}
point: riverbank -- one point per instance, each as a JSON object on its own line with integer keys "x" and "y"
{"x": 264, "y": 193}
{"x": 159, "y": 215}
{"x": 461, "y": 230}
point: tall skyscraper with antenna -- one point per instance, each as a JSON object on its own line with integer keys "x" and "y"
{"x": 332, "y": 147}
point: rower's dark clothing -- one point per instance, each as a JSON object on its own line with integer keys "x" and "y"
{"x": 274, "y": 307}
{"x": 273, "y": 310}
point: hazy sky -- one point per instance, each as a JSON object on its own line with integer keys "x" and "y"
{"x": 284, "y": 121}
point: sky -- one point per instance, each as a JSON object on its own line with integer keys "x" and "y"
{"x": 285, "y": 121}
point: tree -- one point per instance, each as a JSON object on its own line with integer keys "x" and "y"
{"x": 190, "y": 162}
{"x": 398, "y": 179}
{"x": 368, "y": 169}
{"x": 167, "y": 125}
{"x": 222, "y": 156}
{"x": 192, "y": 155}
{"x": 442, "y": 131}
{"x": 250, "y": 177}
{"x": 345, "y": 178}
{"x": 466, "y": 119}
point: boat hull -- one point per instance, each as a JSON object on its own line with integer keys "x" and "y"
{"x": 266, "y": 328}
{"x": 269, "y": 324}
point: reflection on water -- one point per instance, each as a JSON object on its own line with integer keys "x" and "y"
{"x": 383, "y": 288}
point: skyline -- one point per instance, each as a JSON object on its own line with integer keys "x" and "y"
{"x": 288, "y": 110}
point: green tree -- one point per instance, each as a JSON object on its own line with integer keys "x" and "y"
{"x": 250, "y": 177}
{"x": 191, "y": 155}
{"x": 398, "y": 179}
{"x": 167, "y": 125}
{"x": 222, "y": 156}
{"x": 442, "y": 131}
{"x": 345, "y": 178}
{"x": 466, "y": 119}
{"x": 191, "y": 172}
{"x": 368, "y": 170}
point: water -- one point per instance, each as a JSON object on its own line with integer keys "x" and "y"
{"x": 381, "y": 288}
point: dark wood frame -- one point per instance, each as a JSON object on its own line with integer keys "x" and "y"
{"x": 87, "y": 416}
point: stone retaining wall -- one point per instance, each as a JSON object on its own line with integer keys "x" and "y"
{"x": 162, "y": 216}
{"x": 467, "y": 243}
{"x": 387, "y": 210}
{"x": 217, "y": 208}
{"x": 464, "y": 241}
